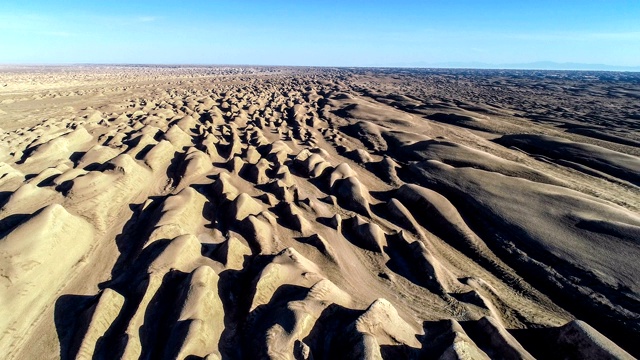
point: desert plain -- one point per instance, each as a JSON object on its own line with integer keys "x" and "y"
{"x": 191, "y": 212}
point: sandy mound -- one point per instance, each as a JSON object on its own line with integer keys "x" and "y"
{"x": 245, "y": 212}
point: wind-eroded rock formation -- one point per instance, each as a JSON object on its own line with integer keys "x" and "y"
{"x": 315, "y": 214}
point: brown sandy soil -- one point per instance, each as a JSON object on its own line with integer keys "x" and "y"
{"x": 299, "y": 213}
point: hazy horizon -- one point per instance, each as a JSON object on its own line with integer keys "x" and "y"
{"x": 536, "y": 66}
{"x": 403, "y": 34}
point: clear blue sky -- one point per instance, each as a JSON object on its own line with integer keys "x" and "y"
{"x": 333, "y": 33}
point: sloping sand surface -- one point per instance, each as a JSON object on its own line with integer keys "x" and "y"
{"x": 300, "y": 213}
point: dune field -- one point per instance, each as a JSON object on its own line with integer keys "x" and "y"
{"x": 151, "y": 212}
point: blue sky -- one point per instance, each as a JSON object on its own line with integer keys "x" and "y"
{"x": 331, "y": 33}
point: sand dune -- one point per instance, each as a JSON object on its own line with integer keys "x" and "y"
{"x": 247, "y": 212}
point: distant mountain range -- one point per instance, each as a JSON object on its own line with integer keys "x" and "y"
{"x": 538, "y": 65}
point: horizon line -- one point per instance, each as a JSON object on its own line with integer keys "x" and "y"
{"x": 443, "y": 66}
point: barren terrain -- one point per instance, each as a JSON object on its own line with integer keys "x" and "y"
{"x": 298, "y": 213}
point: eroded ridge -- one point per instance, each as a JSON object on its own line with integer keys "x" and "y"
{"x": 223, "y": 213}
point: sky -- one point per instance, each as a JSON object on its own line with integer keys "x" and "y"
{"x": 320, "y": 33}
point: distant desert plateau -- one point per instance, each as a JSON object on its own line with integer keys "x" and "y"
{"x": 186, "y": 212}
